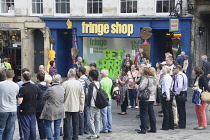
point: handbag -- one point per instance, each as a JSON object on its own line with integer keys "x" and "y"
{"x": 205, "y": 96}
{"x": 145, "y": 94}
{"x": 182, "y": 96}
{"x": 196, "y": 98}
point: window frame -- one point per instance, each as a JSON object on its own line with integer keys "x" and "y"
{"x": 127, "y": 14}
{"x": 163, "y": 14}
{"x": 7, "y": 12}
{"x": 62, "y": 14}
{"x": 31, "y": 9}
{"x": 94, "y": 14}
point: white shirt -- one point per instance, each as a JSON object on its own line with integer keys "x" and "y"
{"x": 167, "y": 85}
{"x": 94, "y": 94}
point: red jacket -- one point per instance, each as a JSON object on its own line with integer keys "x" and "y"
{"x": 136, "y": 57}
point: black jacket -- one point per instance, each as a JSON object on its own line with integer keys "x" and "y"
{"x": 206, "y": 68}
{"x": 90, "y": 93}
{"x": 202, "y": 82}
{"x": 42, "y": 89}
{"x": 125, "y": 61}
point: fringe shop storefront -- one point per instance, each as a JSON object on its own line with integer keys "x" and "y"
{"x": 107, "y": 41}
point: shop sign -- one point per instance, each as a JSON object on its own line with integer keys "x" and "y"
{"x": 4, "y": 25}
{"x": 104, "y": 28}
{"x": 174, "y": 25}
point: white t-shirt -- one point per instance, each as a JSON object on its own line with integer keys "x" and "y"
{"x": 94, "y": 94}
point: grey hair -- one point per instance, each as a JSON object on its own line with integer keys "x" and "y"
{"x": 204, "y": 56}
{"x": 182, "y": 53}
{"x": 72, "y": 72}
{"x": 105, "y": 72}
{"x": 57, "y": 78}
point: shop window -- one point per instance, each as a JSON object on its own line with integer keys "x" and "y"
{"x": 128, "y": 6}
{"x": 62, "y": 6}
{"x": 7, "y": 6}
{"x": 165, "y": 6}
{"x": 94, "y": 6}
{"x": 37, "y": 6}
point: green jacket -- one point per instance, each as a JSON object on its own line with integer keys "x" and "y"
{"x": 106, "y": 85}
{"x": 7, "y": 65}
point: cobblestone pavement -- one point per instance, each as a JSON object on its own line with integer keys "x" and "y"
{"x": 124, "y": 127}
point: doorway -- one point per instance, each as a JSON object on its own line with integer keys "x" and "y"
{"x": 38, "y": 49}
{"x": 161, "y": 45}
{"x": 63, "y": 47}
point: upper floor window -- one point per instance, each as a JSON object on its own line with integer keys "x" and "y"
{"x": 37, "y": 6}
{"x": 7, "y": 6}
{"x": 94, "y": 6}
{"x": 62, "y": 6}
{"x": 165, "y": 6}
{"x": 128, "y": 6}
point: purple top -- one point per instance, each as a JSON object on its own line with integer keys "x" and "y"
{"x": 53, "y": 71}
{"x": 179, "y": 84}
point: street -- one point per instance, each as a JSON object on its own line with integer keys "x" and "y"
{"x": 124, "y": 126}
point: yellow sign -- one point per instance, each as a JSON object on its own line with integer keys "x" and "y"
{"x": 174, "y": 25}
{"x": 69, "y": 24}
{"x": 102, "y": 29}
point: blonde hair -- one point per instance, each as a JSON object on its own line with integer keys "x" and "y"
{"x": 150, "y": 71}
{"x": 48, "y": 78}
{"x": 87, "y": 68}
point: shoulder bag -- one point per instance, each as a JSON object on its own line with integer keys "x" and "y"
{"x": 205, "y": 96}
{"x": 145, "y": 94}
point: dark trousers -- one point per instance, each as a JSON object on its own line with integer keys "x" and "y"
{"x": 168, "y": 118}
{"x": 18, "y": 118}
{"x": 125, "y": 104}
{"x": 28, "y": 125}
{"x": 81, "y": 123}
{"x": 41, "y": 125}
{"x": 146, "y": 109}
{"x": 182, "y": 113}
{"x": 74, "y": 118}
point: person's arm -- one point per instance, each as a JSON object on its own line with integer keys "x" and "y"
{"x": 203, "y": 84}
{"x": 82, "y": 99}
{"x": 179, "y": 83}
{"x": 47, "y": 94}
{"x": 20, "y": 96}
{"x": 167, "y": 86}
{"x": 136, "y": 59}
{"x": 144, "y": 84}
{"x": 90, "y": 93}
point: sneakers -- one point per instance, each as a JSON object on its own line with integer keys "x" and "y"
{"x": 136, "y": 107}
{"x": 129, "y": 106}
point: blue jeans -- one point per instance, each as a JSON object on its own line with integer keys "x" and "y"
{"x": 7, "y": 125}
{"x": 132, "y": 97}
{"x": 106, "y": 114}
{"x": 48, "y": 129}
{"x": 40, "y": 124}
{"x": 94, "y": 121}
{"x": 86, "y": 127}
{"x": 81, "y": 123}
{"x": 28, "y": 125}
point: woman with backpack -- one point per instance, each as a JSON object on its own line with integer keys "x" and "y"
{"x": 123, "y": 86}
{"x": 146, "y": 106}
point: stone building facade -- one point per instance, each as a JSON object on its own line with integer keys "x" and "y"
{"x": 38, "y": 19}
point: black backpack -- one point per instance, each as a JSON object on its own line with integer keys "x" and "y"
{"x": 102, "y": 98}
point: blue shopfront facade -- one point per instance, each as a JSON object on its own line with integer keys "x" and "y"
{"x": 112, "y": 28}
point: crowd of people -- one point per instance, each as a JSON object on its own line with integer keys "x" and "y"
{"x": 49, "y": 100}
